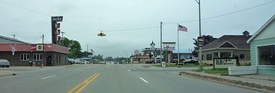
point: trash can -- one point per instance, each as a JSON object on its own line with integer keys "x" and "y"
{"x": 163, "y": 64}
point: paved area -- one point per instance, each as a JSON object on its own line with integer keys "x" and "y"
{"x": 254, "y": 81}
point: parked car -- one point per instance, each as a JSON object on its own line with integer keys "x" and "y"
{"x": 4, "y": 63}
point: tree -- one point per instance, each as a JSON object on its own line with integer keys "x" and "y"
{"x": 98, "y": 57}
{"x": 206, "y": 38}
{"x": 75, "y": 49}
{"x": 109, "y": 59}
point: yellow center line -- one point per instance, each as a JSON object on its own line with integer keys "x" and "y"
{"x": 108, "y": 65}
{"x": 84, "y": 84}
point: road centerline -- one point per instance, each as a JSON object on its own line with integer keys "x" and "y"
{"x": 84, "y": 84}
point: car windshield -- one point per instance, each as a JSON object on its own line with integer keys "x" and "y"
{"x": 137, "y": 46}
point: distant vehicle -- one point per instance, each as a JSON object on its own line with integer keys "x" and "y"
{"x": 190, "y": 60}
{"x": 102, "y": 62}
{"x": 71, "y": 61}
{"x": 4, "y": 63}
{"x": 77, "y": 61}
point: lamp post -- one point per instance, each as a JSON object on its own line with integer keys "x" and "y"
{"x": 200, "y": 46}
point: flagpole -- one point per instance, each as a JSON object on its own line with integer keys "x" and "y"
{"x": 178, "y": 46}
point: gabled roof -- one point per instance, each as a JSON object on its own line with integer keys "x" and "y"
{"x": 235, "y": 41}
{"x": 27, "y": 47}
{"x": 262, "y": 28}
{"x": 11, "y": 39}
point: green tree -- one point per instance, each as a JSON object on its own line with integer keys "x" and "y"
{"x": 109, "y": 59}
{"x": 73, "y": 46}
{"x": 75, "y": 49}
{"x": 206, "y": 39}
{"x": 98, "y": 57}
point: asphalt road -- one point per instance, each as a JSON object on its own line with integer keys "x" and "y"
{"x": 107, "y": 78}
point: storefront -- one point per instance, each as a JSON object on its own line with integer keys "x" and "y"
{"x": 37, "y": 54}
{"x": 262, "y": 46}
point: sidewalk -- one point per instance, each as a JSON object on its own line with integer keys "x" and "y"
{"x": 259, "y": 82}
{"x": 7, "y": 73}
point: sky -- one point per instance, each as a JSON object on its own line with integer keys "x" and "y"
{"x": 131, "y": 24}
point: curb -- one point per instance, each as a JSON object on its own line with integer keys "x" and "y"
{"x": 234, "y": 82}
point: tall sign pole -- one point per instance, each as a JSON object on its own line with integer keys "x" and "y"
{"x": 200, "y": 41}
{"x": 55, "y": 28}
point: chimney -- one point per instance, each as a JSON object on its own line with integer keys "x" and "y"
{"x": 246, "y": 33}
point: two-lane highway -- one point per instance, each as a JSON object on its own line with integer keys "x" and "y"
{"x": 110, "y": 78}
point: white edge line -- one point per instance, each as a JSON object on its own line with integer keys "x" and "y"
{"x": 48, "y": 77}
{"x": 144, "y": 80}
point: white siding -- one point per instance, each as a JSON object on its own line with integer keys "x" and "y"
{"x": 268, "y": 32}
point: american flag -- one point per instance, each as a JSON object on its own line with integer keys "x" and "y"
{"x": 92, "y": 51}
{"x": 182, "y": 28}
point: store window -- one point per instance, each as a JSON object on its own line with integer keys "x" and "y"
{"x": 37, "y": 57}
{"x": 266, "y": 55}
{"x": 24, "y": 57}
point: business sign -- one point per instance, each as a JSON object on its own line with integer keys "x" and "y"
{"x": 136, "y": 52}
{"x": 224, "y": 62}
{"x": 169, "y": 45}
{"x": 37, "y": 47}
{"x": 57, "y": 18}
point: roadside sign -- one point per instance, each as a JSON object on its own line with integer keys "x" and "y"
{"x": 13, "y": 50}
{"x": 57, "y": 18}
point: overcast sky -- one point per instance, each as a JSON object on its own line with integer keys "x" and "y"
{"x": 131, "y": 24}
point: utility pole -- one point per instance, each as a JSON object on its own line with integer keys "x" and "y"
{"x": 160, "y": 42}
{"x": 42, "y": 62}
{"x": 13, "y": 36}
{"x": 200, "y": 47}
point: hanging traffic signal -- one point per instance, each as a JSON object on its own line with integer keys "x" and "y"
{"x": 101, "y": 34}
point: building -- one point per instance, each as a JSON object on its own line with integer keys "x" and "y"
{"x": 262, "y": 48}
{"x": 7, "y": 40}
{"x": 20, "y": 53}
{"x": 228, "y": 46}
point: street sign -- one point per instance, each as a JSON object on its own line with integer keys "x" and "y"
{"x": 13, "y": 50}
{"x": 200, "y": 41}
{"x": 57, "y": 18}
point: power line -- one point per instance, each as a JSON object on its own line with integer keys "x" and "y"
{"x": 131, "y": 29}
{"x": 224, "y": 14}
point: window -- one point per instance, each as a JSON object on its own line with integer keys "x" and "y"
{"x": 209, "y": 57}
{"x": 37, "y": 57}
{"x": 266, "y": 55}
{"x": 242, "y": 56}
{"x": 24, "y": 57}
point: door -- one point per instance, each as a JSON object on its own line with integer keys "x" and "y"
{"x": 49, "y": 60}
